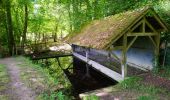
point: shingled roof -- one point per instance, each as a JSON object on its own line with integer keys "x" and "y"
{"x": 100, "y": 33}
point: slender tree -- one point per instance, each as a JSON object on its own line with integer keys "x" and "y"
{"x": 11, "y": 42}
{"x": 25, "y": 27}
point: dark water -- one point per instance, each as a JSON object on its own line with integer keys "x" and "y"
{"x": 75, "y": 73}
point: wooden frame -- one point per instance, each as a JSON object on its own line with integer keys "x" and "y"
{"x": 143, "y": 32}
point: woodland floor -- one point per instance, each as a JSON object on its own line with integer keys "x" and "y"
{"x": 17, "y": 90}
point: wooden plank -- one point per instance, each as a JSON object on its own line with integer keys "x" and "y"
{"x": 108, "y": 72}
{"x": 142, "y": 34}
{"x": 131, "y": 43}
{"x": 51, "y": 56}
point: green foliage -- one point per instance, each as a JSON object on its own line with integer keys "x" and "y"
{"x": 130, "y": 83}
{"x": 55, "y": 95}
{"x": 91, "y": 97}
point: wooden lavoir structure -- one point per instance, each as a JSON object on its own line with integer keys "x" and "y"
{"x": 114, "y": 44}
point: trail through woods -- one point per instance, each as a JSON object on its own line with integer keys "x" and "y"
{"x": 17, "y": 90}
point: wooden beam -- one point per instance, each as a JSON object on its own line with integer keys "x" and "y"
{"x": 143, "y": 25}
{"x": 131, "y": 43}
{"x": 141, "y": 34}
{"x": 150, "y": 26}
{"x": 51, "y": 56}
{"x": 108, "y": 72}
{"x": 159, "y": 20}
{"x": 155, "y": 45}
{"x": 115, "y": 56}
{"x": 134, "y": 27}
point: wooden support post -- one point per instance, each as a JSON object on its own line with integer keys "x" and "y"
{"x": 87, "y": 66}
{"x": 157, "y": 42}
{"x": 143, "y": 25}
{"x": 157, "y": 39}
{"x": 124, "y": 57}
{"x": 154, "y": 43}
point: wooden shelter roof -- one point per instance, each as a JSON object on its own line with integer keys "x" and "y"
{"x": 101, "y": 33}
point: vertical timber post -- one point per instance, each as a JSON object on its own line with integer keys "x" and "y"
{"x": 157, "y": 49}
{"x": 124, "y": 57}
{"x": 87, "y": 60}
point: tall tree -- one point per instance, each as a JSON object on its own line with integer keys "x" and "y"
{"x": 11, "y": 41}
{"x": 25, "y": 27}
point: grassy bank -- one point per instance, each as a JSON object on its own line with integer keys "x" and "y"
{"x": 46, "y": 86}
{"x": 132, "y": 88}
{"x": 4, "y": 80}
{"x": 143, "y": 91}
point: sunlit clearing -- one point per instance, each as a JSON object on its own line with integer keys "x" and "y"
{"x": 64, "y": 47}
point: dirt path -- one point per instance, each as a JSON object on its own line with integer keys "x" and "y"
{"x": 17, "y": 89}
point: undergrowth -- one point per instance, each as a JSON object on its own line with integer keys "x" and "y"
{"x": 163, "y": 71}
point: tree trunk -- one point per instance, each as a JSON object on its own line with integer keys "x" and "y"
{"x": 10, "y": 36}
{"x": 55, "y": 36}
{"x": 25, "y": 28}
{"x": 55, "y": 32}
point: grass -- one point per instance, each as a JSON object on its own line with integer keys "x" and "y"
{"x": 146, "y": 92}
{"x": 46, "y": 86}
{"x": 4, "y": 80}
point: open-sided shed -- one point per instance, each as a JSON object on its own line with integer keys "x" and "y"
{"x": 113, "y": 43}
